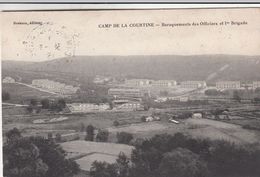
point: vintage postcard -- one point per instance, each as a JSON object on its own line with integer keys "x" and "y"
{"x": 131, "y": 93}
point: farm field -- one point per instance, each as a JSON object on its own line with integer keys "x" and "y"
{"x": 199, "y": 128}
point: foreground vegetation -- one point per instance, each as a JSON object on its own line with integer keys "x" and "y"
{"x": 181, "y": 156}
{"x": 35, "y": 157}
{"x": 162, "y": 155}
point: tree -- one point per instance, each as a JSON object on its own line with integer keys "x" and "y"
{"x": 257, "y": 90}
{"x": 58, "y": 137}
{"x": 116, "y": 123}
{"x": 22, "y": 159}
{"x": 256, "y": 99}
{"x": 103, "y": 169}
{"x": 236, "y": 96}
{"x": 124, "y": 137}
{"x": 143, "y": 119}
{"x": 122, "y": 163}
{"x": 50, "y": 136}
{"x": 33, "y": 102}
{"x": 90, "y": 133}
{"x": 36, "y": 157}
{"x": 111, "y": 105}
{"x": 53, "y": 155}
{"x": 82, "y": 127}
{"x": 5, "y": 95}
{"x": 212, "y": 92}
{"x": 57, "y": 105}
{"x": 146, "y": 107}
{"x": 147, "y": 103}
{"x": 61, "y": 103}
{"x": 102, "y": 136}
{"x": 13, "y": 134}
{"x": 45, "y": 103}
{"x": 182, "y": 163}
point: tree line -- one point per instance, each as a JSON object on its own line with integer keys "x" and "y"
{"x": 52, "y": 105}
{"x": 103, "y": 135}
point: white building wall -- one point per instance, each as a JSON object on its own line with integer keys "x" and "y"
{"x": 256, "y": 84}
{"x": 228, "y": 85}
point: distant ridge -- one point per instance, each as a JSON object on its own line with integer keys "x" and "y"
{"x": 197, "y": 67}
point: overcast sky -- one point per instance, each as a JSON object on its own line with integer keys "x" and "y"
{"x": 57, "y": 34}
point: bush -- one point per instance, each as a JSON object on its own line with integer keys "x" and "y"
{"x": 45, "y": 103}
{"x": 102, "y": 136}
{"x": 58, "y": 137}
{"x": 29, "y": 109}
{"x": 33, "y": 102}
{"x": 143, "y": 119}
{"x": 116, "y": 123}
{"x": 124, "y": 137}
{"x": 182, "y": 163}
{"x": 212, "y": 92}
{"x": 90, "y": 133}
{"x": 50, "y": 135}
{"x": 5, "y": 95}
{"x": 257, "y": 90}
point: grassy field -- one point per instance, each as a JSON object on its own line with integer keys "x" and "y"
{"x": 220, "y": 130}
{"x": 87, "y": 152}
{"x": 20, "y": 93}
{"x": 86, "y": 147}
{"x": 201, "y": 128}
{"x": 102, "y": 119}
{"x": 86, "y": 162}
{"x": 17, "y": 117}
{"x": 231, "y": 130}
{"x": 198, "y": 128}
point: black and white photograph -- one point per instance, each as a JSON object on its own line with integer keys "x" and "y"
{"x": 131, "y": 93}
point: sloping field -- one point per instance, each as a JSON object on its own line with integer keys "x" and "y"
{"x": 220, "y": 130}
{"x": 86, "y": 162}
{"x": 87, "y": 147}
{"x": 139, "y": 128}
{"x": 198, "y": 128}
{"x": 20, "y": 92}
{"x": 87, "y": 152}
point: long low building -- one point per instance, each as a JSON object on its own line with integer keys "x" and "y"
{"x": 256, "y": 84}
{"x": 164, "y": 83}
{"x": 126, "y": 105}
{"x": 87, "y": 107}
{"x": 54, "y": 86}
{"x": 222, "y": 85}
{"x": 125, "y": 92}
{"x": 137, "y": 82}
{"x": 193, "y": 84}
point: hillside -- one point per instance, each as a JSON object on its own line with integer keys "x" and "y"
{"x": 199, "y": 67}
